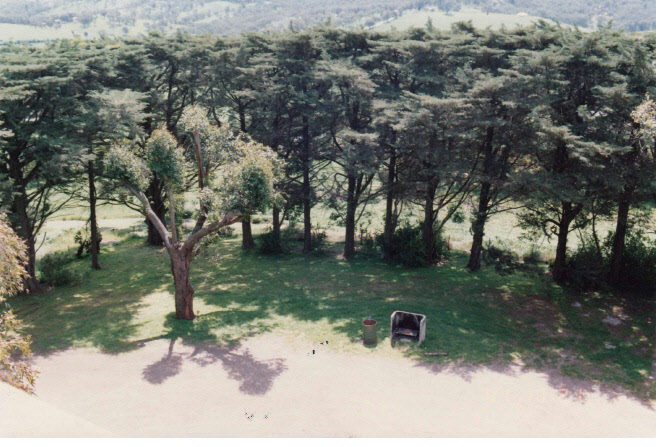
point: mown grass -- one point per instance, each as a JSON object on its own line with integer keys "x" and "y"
{"x": 476, "y": 320}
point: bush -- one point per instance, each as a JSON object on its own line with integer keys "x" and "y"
{"x": 638, "y": 271}
{"x": 408, "y": 249}
{"x": 504, "y": 260}
{"x": 55, "y": 269}
{"x": 267, "y": 244}
{"x": 367, "y": 244}
{"x": 587, "y": 269}
{"x": 532, "y": 256}
{"x": 83, "y": 239}
{"x": 319, "y": 241}
{"x": 224, "y": 232}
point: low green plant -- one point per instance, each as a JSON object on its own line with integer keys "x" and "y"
{"x": 532, "y": 256}
{"x": 55, "y": 269}
{"x": 268, "y": 244}
{"x": 408, "y": 248}
{"x": 589, "y": 265}
{"x": 319, "y": 242}
{"x": 367, "y": 243}
{"x": 639, "y": 264}
{"x": 83, "y": 239}
{"x": 504, "y": 260}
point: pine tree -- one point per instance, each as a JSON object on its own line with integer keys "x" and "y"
{"x": 39, "y": 153}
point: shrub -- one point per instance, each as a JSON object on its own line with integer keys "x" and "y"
{"x": 225, "y": 232}
{"x": 367, "y": 244}
{"x": 638, "y": 270}
{"x": 185, "y": 214}
{"x": 319, "y": 241}
{"x": 587, "y": 269}
{"x": 14, "y": 346}
{"x": 83, "y": 239}
{"x": 532, "y": 256}
{"x": 55, "y": 269}
{"x": 504, "y": 260}
{"x": 267, "y": 244}
{"x": 408, "y": 249}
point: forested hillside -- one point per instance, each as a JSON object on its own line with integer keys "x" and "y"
{"x": 90, "y": 18}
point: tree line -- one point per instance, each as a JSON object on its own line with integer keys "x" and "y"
{"x": 547, "y": 120}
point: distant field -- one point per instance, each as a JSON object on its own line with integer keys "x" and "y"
{"x": 443, "y": 20}
{"x": 73, "y": 30}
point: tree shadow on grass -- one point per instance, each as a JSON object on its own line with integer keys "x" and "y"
{"x": 100, "y": 310}
{"x": 481, "y": 320}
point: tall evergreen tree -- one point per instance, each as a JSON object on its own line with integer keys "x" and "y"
{"x": 38, "y": 95}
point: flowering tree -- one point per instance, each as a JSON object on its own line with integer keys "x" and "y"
{"x": 232, "y": 177}
{"x": 12, "y": 275}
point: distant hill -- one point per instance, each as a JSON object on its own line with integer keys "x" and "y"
{"x": 444, "y": 19}
{"x": 49, "y": 19}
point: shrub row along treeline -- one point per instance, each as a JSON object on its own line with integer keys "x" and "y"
{"x": 558, "y": 121}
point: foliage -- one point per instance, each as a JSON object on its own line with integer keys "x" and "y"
{"x": 532, "y": 256}
{"x": 504, "y": 260}
{"x": 12, "y": 260}
{"x": 319, "y": 241}
{"x": 367, "y": 243}
{"x": 14, "y": 346}
{"x": 268, "y": 244}
{"x": 408, "y": 247}
{"x": 639, "y": 265}
{"x": 589, "y": 264}
{"x": 83, "y": 239}
{"x": 55, "y": 269}
{"x": 165, "y": 157}
{"x": 123, "y": 165}
{"x": 247, "y": 183}
{"x": 645, "y": 116}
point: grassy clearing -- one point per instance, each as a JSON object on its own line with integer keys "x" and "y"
{"x": 478, "y": 320}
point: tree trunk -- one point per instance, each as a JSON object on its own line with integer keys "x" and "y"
{"x": 475, "y": 259}
{"x": 276, "y": 223}
{"x": 350, "y": 216}
{"x": 31, "y": 283}
{"x": 307, "y": 212}
{"x": 428, "y": 222}
{"x": 247, "y": 237}
{"x": 184, "y": 293}
{"x": 156, "y": 199}
{"x": 389, "y": 224}
{"x": 560, "y": 265}
{"x": 617, "y": 256}
{"x": 306, "y": 187}
{"x": 172, "y": 217}
{"x": 21, "y": 225}
{"x": 93, "y": 224}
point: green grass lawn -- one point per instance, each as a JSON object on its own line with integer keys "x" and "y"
{"x": 478, "y": 320}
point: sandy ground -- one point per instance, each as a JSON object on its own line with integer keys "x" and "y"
{"x": 270, "y": 387}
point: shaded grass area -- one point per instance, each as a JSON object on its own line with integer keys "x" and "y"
{"x": 476, "y": 320}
